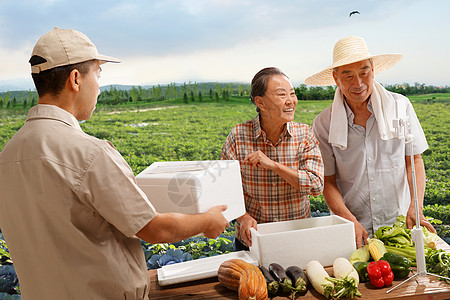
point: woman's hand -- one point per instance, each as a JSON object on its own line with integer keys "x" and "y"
{"x": 259, "y": 159}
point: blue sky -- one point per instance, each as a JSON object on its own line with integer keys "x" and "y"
{"x": 230, "y": 40}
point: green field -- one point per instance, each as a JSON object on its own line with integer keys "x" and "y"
{"x": 172, "y": 130}
{"x": 438, "y": 97}
{"x": 195, "y": 131}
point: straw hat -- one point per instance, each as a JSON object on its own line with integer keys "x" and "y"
{"x": 350, "y": 50}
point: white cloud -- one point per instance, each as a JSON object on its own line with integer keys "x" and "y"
{"x": 14, "y": 63}
{"x": 166, "y": 41}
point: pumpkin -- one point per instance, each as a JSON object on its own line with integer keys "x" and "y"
{"x": 243, "y": 277}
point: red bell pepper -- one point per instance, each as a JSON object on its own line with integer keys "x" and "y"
{"x": 380, "y": 273}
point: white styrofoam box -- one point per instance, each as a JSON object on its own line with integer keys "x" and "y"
{"x": 199, "y": 268}
{"x": 194, "y": 186}
{"x": 298, "y": 242}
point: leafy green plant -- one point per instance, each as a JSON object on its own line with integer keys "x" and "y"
{"x": 5, "y": 257}
{"x": 9, "y": 283}
{"x": 158, "y": 255}
{"x": 171, "y": 256}
{"x": 318, "y": 205}
{"x": 439, "y": 212}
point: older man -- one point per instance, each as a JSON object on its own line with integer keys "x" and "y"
{"x": 280, "y": 159}
{"x": 367, "y": 169}
{"x": 70, "y": 206}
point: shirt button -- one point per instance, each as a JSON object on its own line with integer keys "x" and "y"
{"x": 369, "y": 159}
{"x": 374, "y": 219}
{"x": 275, "y": 219}
{"x": 274, "y": 183}
{"x": 371, "y": 178}
{"x": 373, "y": 199}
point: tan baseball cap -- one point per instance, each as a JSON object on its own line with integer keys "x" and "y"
{"x": 61, "y": 47}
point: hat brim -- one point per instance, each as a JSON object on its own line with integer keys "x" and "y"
{"x": 380, "y": 63}
{"x": 104, "y": 59}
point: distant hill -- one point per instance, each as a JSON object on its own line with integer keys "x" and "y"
{"x": 22, "y": 84}
{"x": 21, "y": 94}
{"x": 204, "y": 85}
{"x": 122, "y": 87}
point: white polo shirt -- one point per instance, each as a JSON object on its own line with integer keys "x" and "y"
{"x": 70, "y": 209}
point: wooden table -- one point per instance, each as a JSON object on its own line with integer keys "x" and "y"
{"x": 421, "y": 287}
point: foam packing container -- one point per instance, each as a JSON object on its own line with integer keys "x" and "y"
{"x": 194, "y": 186}
{"x": 199, "y": 269}
{"x": 298, "y": 242}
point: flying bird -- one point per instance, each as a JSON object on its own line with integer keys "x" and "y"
{"x": 353, "y": 12}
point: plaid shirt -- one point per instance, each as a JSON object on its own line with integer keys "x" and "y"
{"x": 268, "y": 197}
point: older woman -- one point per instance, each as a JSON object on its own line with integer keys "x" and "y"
{"x": 280, "y": 159}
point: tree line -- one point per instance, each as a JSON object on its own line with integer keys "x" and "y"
{"x": 193, "y": 91}
{"x": 305, "y": 92}
{"x": 188, "y": 91}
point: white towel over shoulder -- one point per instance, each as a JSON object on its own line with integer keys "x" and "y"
{"x": 384, "y": 108}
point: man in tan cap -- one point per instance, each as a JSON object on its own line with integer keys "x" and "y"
{"x": 71, "y": 211}
{"x": 367, "y": 167}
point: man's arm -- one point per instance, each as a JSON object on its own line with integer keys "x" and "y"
{"x": 174, "y": 227}
{"x": 336, "y": 204}
{"x": 419, "y": 169}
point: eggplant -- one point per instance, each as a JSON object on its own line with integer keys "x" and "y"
{"x": 272, "y": 284}
{"x": 299, "y": 279}
{"x": 278, "y": 272}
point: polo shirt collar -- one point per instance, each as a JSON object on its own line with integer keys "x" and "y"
{"x": 53, "y": 112}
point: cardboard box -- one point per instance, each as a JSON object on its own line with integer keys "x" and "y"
{"x": 194, "y": 186}
{"x": 300, "y": 241}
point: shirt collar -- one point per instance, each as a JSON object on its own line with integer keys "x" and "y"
{"x": 351, "y": 115}
{"x": 46, "y": 111}
{"x": 257, "y": 131}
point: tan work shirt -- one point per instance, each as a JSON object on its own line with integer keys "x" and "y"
{"x": 70, "y": 209}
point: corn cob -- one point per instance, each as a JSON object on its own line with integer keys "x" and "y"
{"x": 376, "y": 248}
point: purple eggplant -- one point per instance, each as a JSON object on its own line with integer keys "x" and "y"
{"x": 272, "y": 284}
{"x": 278, "y": 272}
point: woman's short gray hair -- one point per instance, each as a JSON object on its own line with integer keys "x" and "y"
{"x": 259, "y": 82}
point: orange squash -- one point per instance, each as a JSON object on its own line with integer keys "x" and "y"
{"x": 243, "y": 277}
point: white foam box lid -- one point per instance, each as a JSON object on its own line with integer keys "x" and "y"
{"x": 199, "y": 269}
{"x": 194, "y": 186}
{"x": 298, "y": 242}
